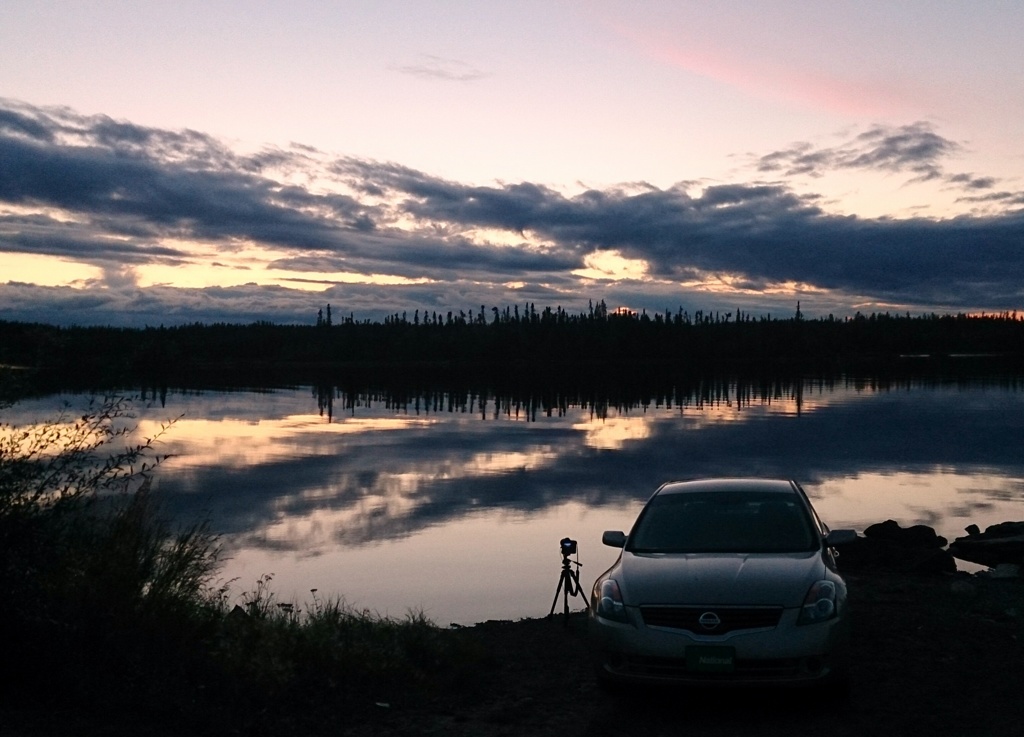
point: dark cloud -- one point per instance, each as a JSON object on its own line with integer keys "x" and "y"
{"x": 168, "y": 184}
{"x": 424, "y": 257}
{"x": 17, "y": 124}
{"x": 40, "y": 234}
{"x": 800, "y": 158}
{"x": 128, "y": 305}
{"x": 124, "y": 191}
{"x": 1012, "y": 199}
{"x": 969, "y": 181}
{"x": 247, "y": 303}
{"x": 914, "y": 149}
{"x": 764, "y": 233}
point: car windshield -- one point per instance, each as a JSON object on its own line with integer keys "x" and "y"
{"x": 723, "y": 522}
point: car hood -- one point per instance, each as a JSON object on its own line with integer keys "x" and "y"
{"x": 718, "y": 578}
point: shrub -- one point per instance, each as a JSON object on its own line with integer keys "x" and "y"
{"x": 88, "y": 572}
{"x": 325, "y": 666}
{"x": 114, "y": 611}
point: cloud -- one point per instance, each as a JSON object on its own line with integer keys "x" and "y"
{"x": 381, "y": 237}
{"x": 911, "y": 147}
{"x": 131, "y": 180}
{"x": 765, "y": 233}
{"x": 914, "y": 149}
{"x": 429, "y": 66}
{"x": 1015, "y": 199}
{"x": 44, "y": 235}
{"x": 971, "y": 182}
{"x": 17, "y": 124}
{"x": 120, "y": 277}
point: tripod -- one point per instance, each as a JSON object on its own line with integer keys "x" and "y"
{"x": 568, "y": 585}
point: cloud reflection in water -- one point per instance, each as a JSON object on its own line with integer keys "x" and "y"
{"x": 314, "y": 499}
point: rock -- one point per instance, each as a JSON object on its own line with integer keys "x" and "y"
{"x": 1004, "y": 529}
{"x": 998, "y": 544}
{"x": 887, "y": 546}
{"x": 917, "y": 536}
{"x": 867, "y": 555}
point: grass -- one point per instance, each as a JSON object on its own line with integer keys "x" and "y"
{"x": 109, "y": 609}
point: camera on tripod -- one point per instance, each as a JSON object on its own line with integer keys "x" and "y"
{"x": 569, "y": 580}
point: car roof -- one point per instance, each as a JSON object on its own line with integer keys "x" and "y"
{"x": 781, "y": 486}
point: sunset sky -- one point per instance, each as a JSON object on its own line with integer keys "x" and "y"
{"x": 173, "y": 162}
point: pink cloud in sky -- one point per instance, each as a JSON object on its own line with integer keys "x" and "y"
{"x": 774, "y": 74}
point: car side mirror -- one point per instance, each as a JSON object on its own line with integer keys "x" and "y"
{"x": 614, "y": 538}
{"x": 840, "y": 537}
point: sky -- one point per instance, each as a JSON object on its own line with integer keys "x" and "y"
{"x": 165, "y": 163}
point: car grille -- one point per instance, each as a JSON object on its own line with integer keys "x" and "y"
{"x": 745, "y": 670}
{"x": 731, "y": 618}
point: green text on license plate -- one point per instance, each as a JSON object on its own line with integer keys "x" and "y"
{"x": 710, "y": 659}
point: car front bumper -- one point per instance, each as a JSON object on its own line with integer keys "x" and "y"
{"x": 785, "y": 655}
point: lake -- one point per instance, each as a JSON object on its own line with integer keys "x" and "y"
{"x": 454, "y": 503}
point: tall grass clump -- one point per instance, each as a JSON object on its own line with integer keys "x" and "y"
{"x": 327, "y": 665}
{"x": 92, "y": 579}
{"x": 107, "y": 608}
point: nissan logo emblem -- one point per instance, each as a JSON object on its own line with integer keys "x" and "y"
{"x": 709, "y": 620}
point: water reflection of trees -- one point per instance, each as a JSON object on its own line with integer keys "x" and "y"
{"x": 529, "y": 401}
{"x": 371, "y": 488}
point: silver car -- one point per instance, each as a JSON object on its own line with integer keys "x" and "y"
{"x": 723, "y": 581}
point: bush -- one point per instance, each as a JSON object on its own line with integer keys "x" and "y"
{"x": 88, "y": 571}
{"x": 111, "y": 610}
{"x": 326, "y": 666}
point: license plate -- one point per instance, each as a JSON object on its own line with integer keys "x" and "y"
{"x": 710, "y": 659}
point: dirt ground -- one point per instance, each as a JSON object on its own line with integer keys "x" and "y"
{"x": 940, "y": 655}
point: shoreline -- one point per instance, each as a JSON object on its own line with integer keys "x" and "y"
{"x": 941, "y": 652}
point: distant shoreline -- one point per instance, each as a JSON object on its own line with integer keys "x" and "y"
{"x": 519, "y": 346}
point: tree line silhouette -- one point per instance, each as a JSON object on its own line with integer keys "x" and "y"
{"x": 510, "y": 341}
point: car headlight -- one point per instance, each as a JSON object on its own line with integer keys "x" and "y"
{"x": 819, "y": 604}
{"x": 609, "y": 601}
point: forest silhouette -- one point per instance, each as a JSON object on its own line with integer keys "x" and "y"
{"x": 512, "y": 345}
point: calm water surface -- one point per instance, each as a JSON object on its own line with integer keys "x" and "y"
{"x": 455, "y": 505}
